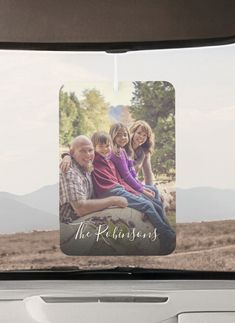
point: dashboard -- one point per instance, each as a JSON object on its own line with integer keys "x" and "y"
{"x": 117, "y": 301}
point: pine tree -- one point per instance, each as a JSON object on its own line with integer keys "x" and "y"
{"x": 154, "y": 102}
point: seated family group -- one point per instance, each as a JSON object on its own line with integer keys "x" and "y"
{"x": 102, "y": 172}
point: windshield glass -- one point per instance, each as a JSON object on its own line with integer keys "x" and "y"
{"x": 34, "y": 88}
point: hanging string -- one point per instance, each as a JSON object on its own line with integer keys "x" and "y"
{"x": 115, "y": 75}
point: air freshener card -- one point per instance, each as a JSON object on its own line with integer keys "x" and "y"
{"x": 117, "y": 169}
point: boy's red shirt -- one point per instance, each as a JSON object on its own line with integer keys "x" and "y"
{"x": 105, "y": 176}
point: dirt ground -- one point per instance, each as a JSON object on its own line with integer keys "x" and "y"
{"x": 200, "y": 246}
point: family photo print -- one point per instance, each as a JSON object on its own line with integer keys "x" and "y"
{"x": 117, "y": 168}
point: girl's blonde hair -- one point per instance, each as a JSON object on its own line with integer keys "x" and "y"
{"x": 101, "y": 138}
{"x": 148, "y": 146}
{"x": 115, "y": 128}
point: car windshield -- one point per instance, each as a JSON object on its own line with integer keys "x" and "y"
{"x": 40, "y": 91}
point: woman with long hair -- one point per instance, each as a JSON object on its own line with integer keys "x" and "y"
{"x": 142, "y": 143}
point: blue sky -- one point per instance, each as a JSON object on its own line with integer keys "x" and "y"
{"x": 204, "y": 80}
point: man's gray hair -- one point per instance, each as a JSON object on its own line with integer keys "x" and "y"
{"x": 79, "y": 140}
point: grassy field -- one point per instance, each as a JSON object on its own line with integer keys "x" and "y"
{"x": 200, "y": 246}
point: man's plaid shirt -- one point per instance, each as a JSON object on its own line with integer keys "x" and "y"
{"x": 75, "y": 185}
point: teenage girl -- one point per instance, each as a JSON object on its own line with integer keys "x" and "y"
{"x": 121, "y": 149}
{"x": 119, "y": 156}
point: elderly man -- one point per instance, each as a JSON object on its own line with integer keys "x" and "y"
{"x": 76, "y": 189}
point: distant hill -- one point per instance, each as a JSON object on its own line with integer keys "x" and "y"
{"x": 18, "y": 217}
{"x": 115, "y": 113}
{"x": 120, "y": 113}
{"x": 204, "y": 204}
{"x": 39, "y": 210}
{"x": 45, "y": 199}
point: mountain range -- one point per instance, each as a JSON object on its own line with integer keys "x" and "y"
{"x": 39, "y": 210}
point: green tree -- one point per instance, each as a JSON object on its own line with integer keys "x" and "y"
{"x": 86, "y": 116}
{"x": 154, "y": 102}
{"x": 95, "y": 112}
{"x": 163, "y": 158}
{"x": 71, "y": 117}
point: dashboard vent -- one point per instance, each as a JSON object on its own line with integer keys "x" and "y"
{"x": 105, "y": 299}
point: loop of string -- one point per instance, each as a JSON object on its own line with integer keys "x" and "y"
{"x": 115, "y": 75}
